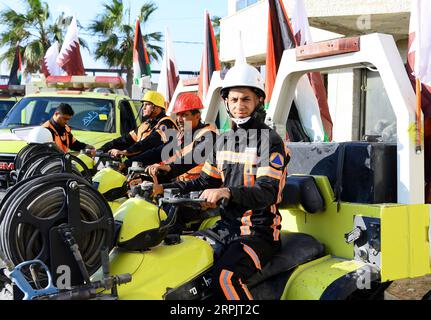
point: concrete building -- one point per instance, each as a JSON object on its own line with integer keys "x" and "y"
{"x": 357, "y": 99}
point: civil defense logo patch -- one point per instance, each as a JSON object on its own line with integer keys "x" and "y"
{"x": 276, "y": 160}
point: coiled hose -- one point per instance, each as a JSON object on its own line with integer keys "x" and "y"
{"x": 47, "y": 163}
{"x": 33, "y": 149}
{"x": 34, "y": 206}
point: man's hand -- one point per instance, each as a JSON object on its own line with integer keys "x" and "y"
{"x": 155, "y": 168}
{"x": 117, "y": 153}
{"x": 213, "y": 196}
{"x": 89, "y": 146}
{"x": 157, "y": 189}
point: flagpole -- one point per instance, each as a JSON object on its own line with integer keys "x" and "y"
{"x": 418, "y": 117}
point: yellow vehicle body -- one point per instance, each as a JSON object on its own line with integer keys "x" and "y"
{"x": 162, "y": 267}
{"x": 155, "y": 269}
{"x": 404, "y": 248}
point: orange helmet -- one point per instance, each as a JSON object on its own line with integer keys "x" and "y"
{"x": 187, "y": 101}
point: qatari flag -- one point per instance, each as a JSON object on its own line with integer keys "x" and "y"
{"x": 210, "y": 58}
{"x": 49, "y": 62}
{"x": 141, "y": 61}
{"x": 69, "y": 58}
{"x": 169, "y": 75}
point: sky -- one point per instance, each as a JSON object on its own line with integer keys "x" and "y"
{"x": 184, "y": 18}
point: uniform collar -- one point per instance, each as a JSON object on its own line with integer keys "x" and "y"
{"x": 60, "y": 130}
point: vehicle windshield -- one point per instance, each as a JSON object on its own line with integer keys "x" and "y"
{"x": 90, "y": 114}
{"x": 5, "y": 106}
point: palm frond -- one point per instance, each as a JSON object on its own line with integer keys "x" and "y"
{"x": 146, "y": 10}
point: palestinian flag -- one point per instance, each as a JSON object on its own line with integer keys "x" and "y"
{"x": 282, "y": 35}
{"x": 210, "y": 58}
{"x": 280, "y": 38}
{"x": 141, "y": 62}
{"x": 301, "y": 30}
{"x": 16, "y": 70}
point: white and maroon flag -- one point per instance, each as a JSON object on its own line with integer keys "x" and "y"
{"x": 420, "y": 40}
{"x": 169, "y": 75}
{"x": 419, "y": 71}
{"x": 49, "y": 63}
{"x": 69, "y": 58}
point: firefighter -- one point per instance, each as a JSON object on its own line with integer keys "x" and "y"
{"x": 188, "y": 160}
{"x": 148, "y": 136}
{"x": 61, "y": 132}
{"x": 249, "y": 171}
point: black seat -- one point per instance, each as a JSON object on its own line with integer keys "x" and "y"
{"x": 302, "y": 190}
{"x": 296, "y": 249}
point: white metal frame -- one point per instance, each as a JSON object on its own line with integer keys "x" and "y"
{"x": 380, "y": 51}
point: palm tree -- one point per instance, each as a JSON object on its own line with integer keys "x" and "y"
{"x": 215, "y": 20}
{"x": 116, "y": 32}
{"x": 34, "y": 30}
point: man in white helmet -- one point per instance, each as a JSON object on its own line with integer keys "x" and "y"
{"x": 248, "y": 170}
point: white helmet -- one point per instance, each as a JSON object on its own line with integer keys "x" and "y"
{"x": 39, "y": 135}
{"x": 242, "y": 75}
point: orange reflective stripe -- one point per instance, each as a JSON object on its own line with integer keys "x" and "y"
{"x": 133, "y": 135}
{"x": 191, "y": 174}
{"x": 245, "y": 230}
{"x": 138, "y": 134}
{"x": 227, "y": 286}
{"x": 189, "y": 148}
{"x": 57, "y": 139}
{"x": 276, "y": 223}
{"x": 245, "y": 288}
{"x": 211, "y": 171}
{"x": 249, "y": 177}
{"x": 237, "y": 157}
{"x": 269, "y": 172}
{"x": 246, "y": 223}
{"x": 162, "y": 135}
{"x": 281, "y": 185}
{"x": 252, "y": 255}
{"x": 202, "y": 131}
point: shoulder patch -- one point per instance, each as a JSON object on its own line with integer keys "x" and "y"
{"x": 163, "y": 127}
{"x": 276, "y": 160}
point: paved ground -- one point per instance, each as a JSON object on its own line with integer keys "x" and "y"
{"x": 408, "y": 289}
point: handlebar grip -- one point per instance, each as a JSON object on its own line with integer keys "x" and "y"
{"x": 224, "y": 203}
{"x": 124, "y": 278}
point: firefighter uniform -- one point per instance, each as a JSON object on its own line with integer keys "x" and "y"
{"x": 184, "y": 164}
{"x": 62, "y": 137}
{"x": 149, "y": 135}
{"x": 250, "y": 224}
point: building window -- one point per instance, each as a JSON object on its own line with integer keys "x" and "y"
{"x": 241, "y": 4}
